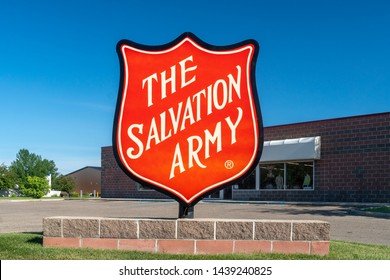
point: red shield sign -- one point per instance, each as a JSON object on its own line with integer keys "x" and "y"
{"x": 188, "y": 119}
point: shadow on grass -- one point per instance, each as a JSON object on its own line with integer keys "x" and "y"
{"x": 38, "y": 240}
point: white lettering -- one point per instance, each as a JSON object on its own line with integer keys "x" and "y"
{"x": 184, "y": 70}
{"x": 149, "y": 81}
{"x": 235, "y": 83}
{"x": 198, "y": 104}
{"x": 136, "y": 140}
{"x": 216, "y": 137}
{"x": 175, "y": 119}
{"x": 163, "y": 125}
{"x": 177, "y": 162}
{"x": 187, "y": 115}
{"x": 232, "y": 126}
{"x": 197, "y": 148}
{"x": 165, "y": 81}
{"x": 153, "y": 134}
{"x": 196, "y": 143}
{"x": 217, "y": 105}
{"x": 193, "y": 153}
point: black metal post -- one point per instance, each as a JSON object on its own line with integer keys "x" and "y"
{"x": 186, "y": 212}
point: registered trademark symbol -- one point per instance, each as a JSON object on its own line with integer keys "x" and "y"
{"x": 229, "y": 164}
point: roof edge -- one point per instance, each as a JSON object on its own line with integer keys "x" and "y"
{"x": 85, "y": 167}
{"x": 331, "y": 119}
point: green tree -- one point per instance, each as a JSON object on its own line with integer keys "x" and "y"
{"x": 35, "y": 187}
{"x": 64, "y": 184}
{"x": 7, "y": 178}
{"x": 30, "y": 164}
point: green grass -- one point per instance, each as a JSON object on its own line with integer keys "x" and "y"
{"x": 28, "y": 246}
{"x": 384, "y": 209}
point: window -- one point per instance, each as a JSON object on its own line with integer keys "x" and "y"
{"x": 299, "y": 175}
{"x": 291, "y": 175}
{"x": 272, "y": 176}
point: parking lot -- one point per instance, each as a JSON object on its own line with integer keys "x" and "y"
{"x": 347, "y": 222}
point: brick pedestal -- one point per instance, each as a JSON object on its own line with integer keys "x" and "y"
{"x": 189, "y": 236}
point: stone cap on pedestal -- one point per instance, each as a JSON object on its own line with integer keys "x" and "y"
{"x": 210, "y": 229}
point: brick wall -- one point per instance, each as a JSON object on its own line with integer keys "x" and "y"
{"x": 116, "y": 184}
{"x": 355, "y": 159}
{"x": 354, "y": 164}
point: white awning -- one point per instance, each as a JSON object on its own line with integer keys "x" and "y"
{"x": 308, "y": 148}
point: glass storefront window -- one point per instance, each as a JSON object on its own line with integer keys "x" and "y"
{"x": 299, "y": 175}
{"x": 272, "y": 176}
{"x": 294, "y": 175}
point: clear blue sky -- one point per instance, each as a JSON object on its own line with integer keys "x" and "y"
{"x": 59, "y": 72}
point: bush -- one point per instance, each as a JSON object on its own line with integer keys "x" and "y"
{"x": 64, "y": 184}
{"x": 35, "y": 187}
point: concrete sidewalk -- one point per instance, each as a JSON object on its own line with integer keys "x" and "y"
{"x": 347, "y": 222}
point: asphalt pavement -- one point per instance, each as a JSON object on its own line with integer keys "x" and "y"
{"x": 347, "y": 222}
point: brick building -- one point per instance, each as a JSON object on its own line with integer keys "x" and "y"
{"x": 87, "y": 180}
{"x": 334, "y": 160}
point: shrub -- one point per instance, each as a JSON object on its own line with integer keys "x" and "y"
{"x": 64, "y": 184}
{"x": 35, "y": 187}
